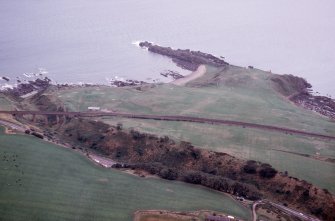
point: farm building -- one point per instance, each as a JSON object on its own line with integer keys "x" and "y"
{"x": 93, "y": 108}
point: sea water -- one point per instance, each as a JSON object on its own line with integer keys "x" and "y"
{"x": 93, "y": 40}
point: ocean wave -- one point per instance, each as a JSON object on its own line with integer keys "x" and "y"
{"x": 28, "y": 75}
{"x": 7, "y": 86}
{"x": 136, "y": 43}
{"x": 42, "y": 71}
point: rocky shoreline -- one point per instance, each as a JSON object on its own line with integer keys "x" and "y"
{"x": 320, "y": 104}
{"x": 299, "y": 93}
{"x": 5, "y": 78}
{"x": 127, "y": 83}
{"x": 172, "y": 74}
{"x": 298, "y": 90}
{"x": 23, "y": 90}
{"x": 186, "y": 59}
{"x": 30, "y": 87}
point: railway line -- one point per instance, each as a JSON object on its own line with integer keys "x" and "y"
{"x": 173, "y": 118}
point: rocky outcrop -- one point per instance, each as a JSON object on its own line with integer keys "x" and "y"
{"x": 320, "y": 104}
{"x": 5, "y": 78}
{"x": 298, "y": 90}
{"x": 25, "y": 88}
{"x": 186, "y": 59}
{"x": 127, "y": 83}
{"x": 288, "y": 84}
{"x": 172, "y": 74}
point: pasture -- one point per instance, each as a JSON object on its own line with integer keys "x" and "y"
{"x": 248, "y": 143}
{"x": 42, "y": 181}
{"x": 5, "y": 104}
{"x": 241, "y": 95}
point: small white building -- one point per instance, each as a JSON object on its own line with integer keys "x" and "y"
{"x": 93, "y": 108}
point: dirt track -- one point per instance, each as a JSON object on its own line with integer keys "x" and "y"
{"x": 194, "y": 75}
{"x": 174, "y": 118}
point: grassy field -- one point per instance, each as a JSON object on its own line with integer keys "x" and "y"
{"x": 41, "y": 181}
{"x": 242, "y": 95}
{"x": 5, "y": 104}
{"x": 252, "y": 144}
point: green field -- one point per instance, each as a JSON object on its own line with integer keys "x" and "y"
{"x": 242, "y": 95}
{"x": 41, "y": 181}
{"x": 248, "y": 143}
{"x": 5, "y": 104}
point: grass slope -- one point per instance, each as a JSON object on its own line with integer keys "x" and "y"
{"x": 5, "y": 104}
{"x": 242, "y": 95}
{"x": 41, "y": 181}
{"x": 251, "y": 144}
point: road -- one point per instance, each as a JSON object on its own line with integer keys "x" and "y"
{"x": 103, "y": 161}
{"x": 290, "y": 212}
{"x": 293, "y": 212}
{"x": 254, "y": 214}
{"x": 172, "y": 118}
{"x": 12, "y": 126}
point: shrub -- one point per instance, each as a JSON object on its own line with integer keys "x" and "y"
{"x": 153, "y": 168}
{"x": 217, "y": 183}
{"x": 267, "y": 172}
{"x": 136, "y": 135}
{"x": 305, "y": 195}
{"x": 81, "y": 138}
{"x": 168, "y": 174}
{"x": 195, "y": 154}
{"x": 317, "y": 211}
{"x": 38, "y": 135}
{"x": 193, "y": 177}
{"x": 121, "y": 152}
{"x": 119, "y": 126}
{"x": 117, "y": 166}
{"x": 250, "y": 168}
{"x": 94, "y": 145}
{"x": 139, "y": 150}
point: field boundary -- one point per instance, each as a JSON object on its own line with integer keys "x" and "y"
{"x": 172, "y": 118}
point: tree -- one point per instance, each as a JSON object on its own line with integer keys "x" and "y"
{"x": 193, "y": 177}
{"x": 250, "y": 168}
{"x": 119, "y": 126}
{"x": 267, "y": 172}
{"x": 168, "y": 173}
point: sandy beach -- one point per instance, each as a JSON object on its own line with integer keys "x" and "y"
{"x": 194, "y": 75}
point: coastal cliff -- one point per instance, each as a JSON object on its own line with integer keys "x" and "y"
{"x": 298, "y": 90}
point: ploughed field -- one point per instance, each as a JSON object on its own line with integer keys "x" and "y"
{"x": 42, "y": 181}
{"x": 231, "y": 93}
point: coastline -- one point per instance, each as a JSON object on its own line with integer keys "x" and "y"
{"x": 201, "y": 70}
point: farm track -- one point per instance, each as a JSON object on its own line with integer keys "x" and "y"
{"x": 173, "y": 118}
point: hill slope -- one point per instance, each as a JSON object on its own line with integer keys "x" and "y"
{"x": 232, "y": 93}
{"x": 40, "y": 181}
